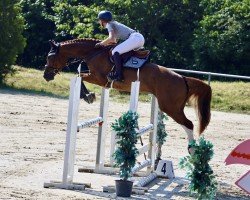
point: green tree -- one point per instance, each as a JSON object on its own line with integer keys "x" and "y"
{"x": 39, "y": 29}
{"x": 167, "y": 25}
{"x": 222, "y": 43}
{"x": 11, "y": 40}
{"x": 76, "y": 19}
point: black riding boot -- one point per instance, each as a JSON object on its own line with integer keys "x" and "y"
{"x": 117, "y": 74}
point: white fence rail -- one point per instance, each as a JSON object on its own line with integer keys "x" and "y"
{"x": 210, "y": 74}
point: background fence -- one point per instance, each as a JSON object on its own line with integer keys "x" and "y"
{"x": 210, "y": 74}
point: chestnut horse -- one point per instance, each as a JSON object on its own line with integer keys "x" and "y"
{"x": 172, "y": 90}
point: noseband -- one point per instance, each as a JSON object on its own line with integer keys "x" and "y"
{"x": 52, "y": 69}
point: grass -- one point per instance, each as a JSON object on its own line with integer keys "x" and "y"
{"x": 231, "y": 96}
{"x": 227, "y": 96}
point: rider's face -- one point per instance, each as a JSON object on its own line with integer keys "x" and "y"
{"x": 102, "y": 23}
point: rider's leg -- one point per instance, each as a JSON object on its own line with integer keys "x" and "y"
{"x": 118, "y": 67}
{"x": 136, "y": 40}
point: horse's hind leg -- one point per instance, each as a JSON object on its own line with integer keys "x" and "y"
{"x": 186, "y": 124}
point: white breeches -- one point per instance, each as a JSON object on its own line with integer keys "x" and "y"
{"x": 135, "y": 41}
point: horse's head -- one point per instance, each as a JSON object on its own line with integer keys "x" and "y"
{"x": 55, "y": 61}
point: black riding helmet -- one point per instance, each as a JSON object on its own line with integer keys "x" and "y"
{"x": 105, "y": 15}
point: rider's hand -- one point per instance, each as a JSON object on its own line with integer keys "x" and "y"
{"x": 99, "y": 45}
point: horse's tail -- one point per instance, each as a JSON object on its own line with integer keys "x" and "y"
{"x": 199, "y": 95}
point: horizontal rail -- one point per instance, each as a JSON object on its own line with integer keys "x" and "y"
{"x": 145, "y": 180}
{"x": 67, "y": 186}
{"x": 141, "y": 131}
{"x": 145, "y": 129}
{"x": 143, "y": 149}
{"x": 211, "y": 73}
{"x": 140, "y": 166}
{"x": 89, "y": 123}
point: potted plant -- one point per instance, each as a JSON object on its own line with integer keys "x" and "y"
{"x": 126, "y": 151}
{"x": 161, "y": 135}
{"x": 202, "y": 179}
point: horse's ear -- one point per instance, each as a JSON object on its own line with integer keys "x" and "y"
{"x": 52, "y": 43}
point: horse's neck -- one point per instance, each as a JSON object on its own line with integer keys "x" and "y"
{"x": 78, "y": 50}
{"x": 86, "y": 50}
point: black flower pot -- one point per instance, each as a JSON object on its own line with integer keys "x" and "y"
{"x": 123, "y": 188}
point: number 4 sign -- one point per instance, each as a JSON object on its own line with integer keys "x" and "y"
{"x": 165, "y": 169}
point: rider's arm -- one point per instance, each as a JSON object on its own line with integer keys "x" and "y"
{"x": 110, "y": 40}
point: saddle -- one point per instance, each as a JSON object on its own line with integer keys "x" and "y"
{"x": 134, "y": 58}
{"x": 142, "y": 54}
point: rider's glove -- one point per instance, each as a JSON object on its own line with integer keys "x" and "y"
{"x": 99, "y": 45}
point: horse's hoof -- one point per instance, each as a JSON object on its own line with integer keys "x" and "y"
{"x": 190, "y": 150}
{"x": 91, "y": 97}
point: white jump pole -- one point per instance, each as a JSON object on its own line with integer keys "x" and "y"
{"x": 151, "y": 146}
{"x": 133, "y": 104}
{"x": 134, "y": 96}
{"x": 70, "y": 147}
{"x": 100, "y": 150}
{"x": 153, "y": 133}
{"x": 100, "y": 154}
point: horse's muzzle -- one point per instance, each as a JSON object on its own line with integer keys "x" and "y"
{"x": 48, "y": 76}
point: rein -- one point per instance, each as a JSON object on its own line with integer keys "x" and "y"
{"x": 91, "y": 56}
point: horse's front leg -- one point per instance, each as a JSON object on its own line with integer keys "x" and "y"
{"x": 89, "y": 97}
{"x": 95, "y": 78}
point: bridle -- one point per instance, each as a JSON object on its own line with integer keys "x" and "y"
{"x": 53, "y": 70}
{"x": 86, "y": 59}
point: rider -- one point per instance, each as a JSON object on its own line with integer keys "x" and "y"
{"x": 131, "y": 40}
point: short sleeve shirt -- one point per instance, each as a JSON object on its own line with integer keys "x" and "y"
{"x": 120, "y": 30}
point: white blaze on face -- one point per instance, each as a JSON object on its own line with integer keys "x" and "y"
{"x": 190, "y": 133}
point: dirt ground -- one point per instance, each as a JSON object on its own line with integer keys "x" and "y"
{"x": 32, "y": 130}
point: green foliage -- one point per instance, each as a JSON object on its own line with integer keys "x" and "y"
{"x": 126, "y": 152}
{"x": 222, "y": 41}
{"x": 11, "y": 40}
{"x": 203, "y": 183}
{"x": 76, "y": 18}
{"x": 166, "y": 25}
{"x": 210, "y": 35}
{"x": 39, "y": 29}
{"x": 161, "y": 131}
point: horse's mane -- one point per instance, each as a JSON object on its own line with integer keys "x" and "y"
{"x": 80, "y": 41}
